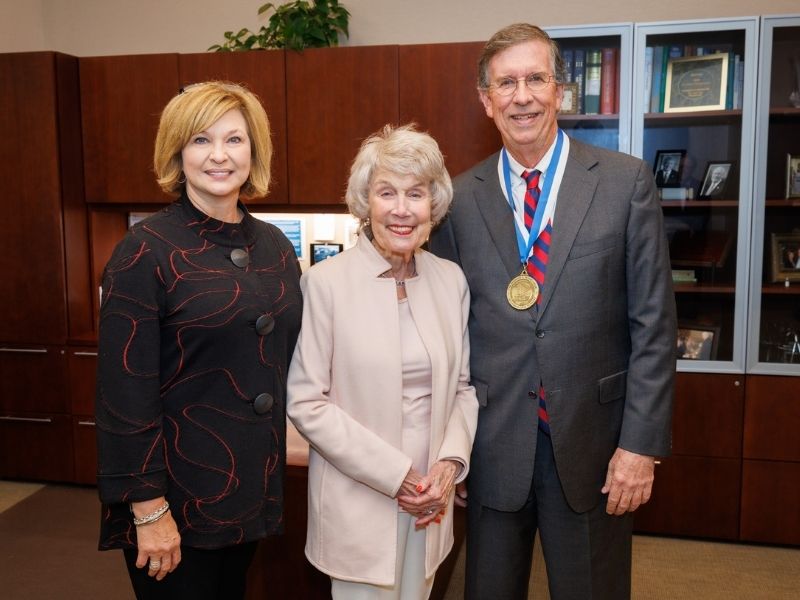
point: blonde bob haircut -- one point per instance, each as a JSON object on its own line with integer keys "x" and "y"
{"x": 196, "y": 108}
{"x": 401, "y": 151}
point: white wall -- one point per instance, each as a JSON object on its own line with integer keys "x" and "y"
{"x": 104, "y": 27}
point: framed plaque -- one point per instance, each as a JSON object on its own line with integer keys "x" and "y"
{"x": 696, "y": 83}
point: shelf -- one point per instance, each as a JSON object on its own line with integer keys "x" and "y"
{"x": 614, "y": 117}
{"x": 704, "y": 288}
{"x": 700, "y": 117}
{"x": 782, "y": 203}
{"x": 784, "y": 111}
{"x": 779, "y": 289}
{"x": 701, "y": 203}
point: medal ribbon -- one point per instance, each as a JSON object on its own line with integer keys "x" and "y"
{"x": 549, "y": 176}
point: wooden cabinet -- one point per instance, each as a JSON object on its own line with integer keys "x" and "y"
{"x": 338, "y": 96}
{"x": 121, "y": 101}
{"x": 35, "y": 429}
{"x": 771, "y": 470}
{"x": 438, "y": 91}
{"x": 38, "y": 93}
{"x": 264, "y": 73}
{"x": 697, "y": 489}
{"x": 82, "y": 368}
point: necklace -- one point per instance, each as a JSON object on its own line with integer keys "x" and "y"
{"x": 412, "y": 272}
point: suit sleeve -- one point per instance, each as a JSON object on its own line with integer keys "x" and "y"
{"x": 460, "y": 429}
{"x": 341, "y": 440}
{"x": 652, "y": 321}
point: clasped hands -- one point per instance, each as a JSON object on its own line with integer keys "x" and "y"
{"x": 426, "y": 497}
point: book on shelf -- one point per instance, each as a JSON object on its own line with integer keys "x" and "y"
{"x": 648, "y": 77}
{"x": 684, "y": 276}
{"x": 568, "y": 56}
{"x": 591, "y": 83}
{"x": 664, "y": 62}
{"x": 608, "y": 81}
{"x": 700, "y": 248}
{"x": 578, "y": 71}
{"x": 655, "y": 88}
{"x": 729, "y": 92}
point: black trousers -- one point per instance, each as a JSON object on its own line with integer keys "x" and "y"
{"x": 587, "y": 555}
{"x": 201, "y": 575}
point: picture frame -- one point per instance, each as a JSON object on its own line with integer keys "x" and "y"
{"x": 696, "y": 83}
{"x": 793, "y": 175}
{"x": 569, "y": 100}
{"x": 696, "y": 341}
{"x": 293, "y": 228}
{"x": 716, "y": 179}
{"x": 319, "y": 251}
{"x": 668, "y": 167}
{"x": 785, "y": 257}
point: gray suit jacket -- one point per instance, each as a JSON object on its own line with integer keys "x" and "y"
{"x": 601, "y": 340}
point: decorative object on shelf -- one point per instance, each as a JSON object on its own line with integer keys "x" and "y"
{"x": 785, "y": 257}
{"x": 791, "y": 347}
{"x": 715, "y": 181}
{"x": 794, "y": 97}
{"x": 667, "y": 168}
{"x": 678, "y": 193}
{"x": 697, "y": 83}
{"x": 321, "y": 251}
{"x": 697, "y": 342}
{"x": 793, "y": 175}
{"x": 294, "y": 25}
{"x": 569, "y": 101}
{"x": 684, "y": 276}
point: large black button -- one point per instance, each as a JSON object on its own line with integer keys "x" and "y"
{"x": 540, "y": 333}
{"x": 265, "y": 324}
{"x": 263, "y": 403}
{"x": 532, "y": 395}
{"x": 240, "y": 258}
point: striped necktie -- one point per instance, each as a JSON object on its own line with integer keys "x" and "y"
{"x": 537, "y": 265}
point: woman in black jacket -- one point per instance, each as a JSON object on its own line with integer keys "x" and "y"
{"x": 200, "y": 312}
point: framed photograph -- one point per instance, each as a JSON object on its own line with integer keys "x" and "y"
{"x": 293, "y": 228}
{"x": 716, "y": 178}
{"x": 667, "y": 167}
{"x": 321, "y": 251}
{"x": 569, "y": 103}
{"x": 785, "y": 257}
{"x": 793, "y": 175}
{"x": 696, "y": 83}
{"x": 697, "y": 342}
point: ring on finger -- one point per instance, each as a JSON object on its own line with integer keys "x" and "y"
{"x": 155, "y": 565}
{"x": 429, "y": 511}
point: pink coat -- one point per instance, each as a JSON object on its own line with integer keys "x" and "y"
{"x": 345, "y": 398}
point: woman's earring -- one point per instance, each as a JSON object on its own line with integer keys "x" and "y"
{"x": 184, "y": 178}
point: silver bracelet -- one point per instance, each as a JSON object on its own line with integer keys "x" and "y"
{"x": 153, "y": 516}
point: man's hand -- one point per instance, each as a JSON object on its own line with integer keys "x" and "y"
{"x": 629, "y": 481}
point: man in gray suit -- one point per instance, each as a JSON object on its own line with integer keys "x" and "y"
{"x": 587, "y": 354}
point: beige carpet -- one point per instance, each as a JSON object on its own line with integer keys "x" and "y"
{"x": 48, "y": 541}
{"x": 677, "y": 569}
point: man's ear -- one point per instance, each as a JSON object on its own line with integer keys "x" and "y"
{"x": 487, "y": 102}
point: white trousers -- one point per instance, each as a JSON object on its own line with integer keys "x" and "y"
{"x": 409, "y": 574}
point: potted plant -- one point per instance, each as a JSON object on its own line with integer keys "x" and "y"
{"x": 294, "y": 25}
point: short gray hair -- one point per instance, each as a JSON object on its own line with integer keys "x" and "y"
{"x": 403, "y": 151}
{"x": 518, "y": 33}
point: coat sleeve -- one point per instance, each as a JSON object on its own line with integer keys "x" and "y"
{"x": 128, "y": 409}
{"x": 463, "y": 420}
{"x": 340, "y": 439}
{"x": 652, "y": 321}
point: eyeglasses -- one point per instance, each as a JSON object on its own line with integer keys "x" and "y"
{"x": 535, "y": 82}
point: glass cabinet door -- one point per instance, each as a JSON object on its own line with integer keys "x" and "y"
{"x": 693, "y": 122}
{"x": 774, "y": 337}
{"x": 596, "y": 107}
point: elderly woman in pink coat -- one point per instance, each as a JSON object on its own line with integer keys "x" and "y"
{"x": 379, "y": 382}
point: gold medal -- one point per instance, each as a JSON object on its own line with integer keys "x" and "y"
{"x": 522, "y": 291}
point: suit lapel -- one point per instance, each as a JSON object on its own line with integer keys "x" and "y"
{"x": 574, "y": 197}
{"x": 496, "y": 213}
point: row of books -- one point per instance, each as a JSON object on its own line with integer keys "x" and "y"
{"x": 656, "y": 67}
{"x": 594, "y": 71}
